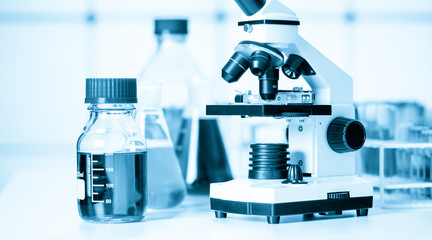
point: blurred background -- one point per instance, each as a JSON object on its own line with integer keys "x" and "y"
{"x": 49, "y": 47}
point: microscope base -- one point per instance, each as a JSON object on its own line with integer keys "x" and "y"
{"x": 271, "y": 198}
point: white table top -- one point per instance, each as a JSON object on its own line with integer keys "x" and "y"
{"x": 39, "y": 202}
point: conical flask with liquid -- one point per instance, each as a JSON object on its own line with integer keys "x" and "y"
{"x": 173, "y": 67}
{"x": 200, "y": 147}
{"x": 166, "y": 187}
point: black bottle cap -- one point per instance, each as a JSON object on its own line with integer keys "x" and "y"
{"x": 173, "y": 26}
{"x": 111, "y": 90}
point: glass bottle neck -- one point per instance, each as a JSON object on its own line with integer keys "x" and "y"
{"x": 114, "y": 113}
{"x": 168, "y": 39}
{"x": 122, "y": 108}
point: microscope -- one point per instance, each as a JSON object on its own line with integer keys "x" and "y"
{"x": 314, "y": 171}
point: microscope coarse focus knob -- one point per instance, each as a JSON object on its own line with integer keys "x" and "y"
{"x": 345, "y": 135}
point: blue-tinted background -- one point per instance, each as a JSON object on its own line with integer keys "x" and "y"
{"x": 49, "y": 47}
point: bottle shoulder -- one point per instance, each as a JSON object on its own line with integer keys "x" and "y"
{"x": 111, "y": 134}
{"x": 170, "y": 63}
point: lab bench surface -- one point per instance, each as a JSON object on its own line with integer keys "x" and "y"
{"x": 39, "y": 202}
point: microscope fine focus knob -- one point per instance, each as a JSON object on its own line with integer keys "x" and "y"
{"x": 345, "y": 135}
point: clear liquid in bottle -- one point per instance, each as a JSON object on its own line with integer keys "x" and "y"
{"x": 166, "y": 187}
{"x": 115, "y": 183}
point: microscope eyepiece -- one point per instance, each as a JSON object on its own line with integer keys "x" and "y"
{"x": 235, "y": 67}
{"x": 260, "y": 62}
{"x": 250, "y": 7}
{"x": 268, "y": 84}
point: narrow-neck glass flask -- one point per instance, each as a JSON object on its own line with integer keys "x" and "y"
{"x": 111, "y": 155}
{"x": 173, "y": 67}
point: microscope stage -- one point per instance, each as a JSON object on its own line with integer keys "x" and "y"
{"x": 273, "y": 199}
{"x": 267, "y": 110}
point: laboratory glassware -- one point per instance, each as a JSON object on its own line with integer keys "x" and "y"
{"x": 200, "y": 147}
{"x": 183, "y": 90}
{"x": 166, "y": 187}
{"x": 111, "y": 155}
{"x": 173, "y": 67}
{"x": 399, "y": 163}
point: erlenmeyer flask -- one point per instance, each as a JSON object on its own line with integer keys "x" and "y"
{"x": 199, "y": 147}
{"x": 166, "y": 187}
